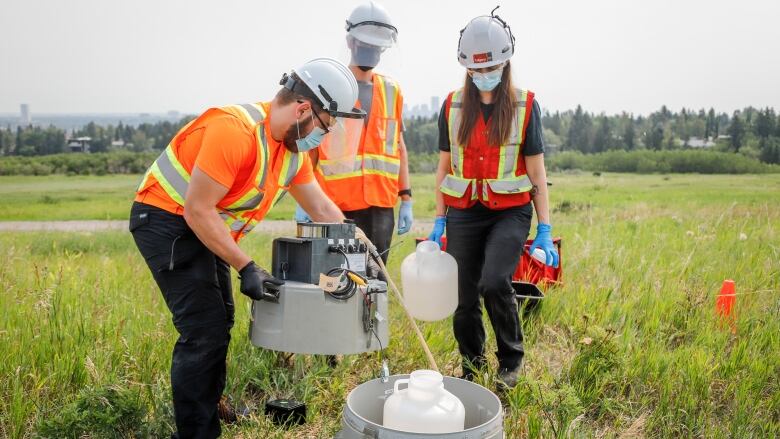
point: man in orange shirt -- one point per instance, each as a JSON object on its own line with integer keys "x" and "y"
{"x": 218, "y": 178}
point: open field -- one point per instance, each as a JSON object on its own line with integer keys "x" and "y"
{"x": 628, "y": 347}
{"x": 60, "y": 197}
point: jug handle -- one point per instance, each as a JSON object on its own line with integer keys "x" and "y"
{"x": 397, "y": 383}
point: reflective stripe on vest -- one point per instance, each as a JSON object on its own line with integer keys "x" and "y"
{"x": 367, "y": 163}
{"x": 254, "y": 197}
{"x": 238, "y": 224}
{"x": 174, "y": 179}
{"x": 290, "y": 167}
{"x": 389, "y": 92}
{"x": 386, "y": 165}
{"x": 171, "y": 175}
{"x": 456, "y": 184}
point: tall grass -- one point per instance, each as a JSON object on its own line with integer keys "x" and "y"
{"x": 630, "y": 345}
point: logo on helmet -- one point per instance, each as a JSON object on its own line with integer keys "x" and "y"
{"x": 483, "y": 57}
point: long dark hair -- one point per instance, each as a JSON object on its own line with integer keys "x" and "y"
{"x": 504, "y": 100}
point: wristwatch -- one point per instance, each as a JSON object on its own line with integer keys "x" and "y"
{"x": 403, "y": 192}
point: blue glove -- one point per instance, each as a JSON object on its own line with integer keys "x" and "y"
{"x": 300, "y": 215}
{"x": 544, "y": 241}
{"x": 405, "y": 217}
{"x": 438, "y": 229}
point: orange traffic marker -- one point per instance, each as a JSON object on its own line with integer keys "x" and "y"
{"x": 724, "y": 304}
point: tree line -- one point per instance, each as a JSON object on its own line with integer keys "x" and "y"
{"x": 751, "y": 132}
{"x": 35, "y": 140}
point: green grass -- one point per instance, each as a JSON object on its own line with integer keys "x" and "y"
{"x": 59, "y": 197}
{"x": 630, "y": 343}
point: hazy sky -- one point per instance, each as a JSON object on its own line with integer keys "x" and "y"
{"x": 608, "y": 55}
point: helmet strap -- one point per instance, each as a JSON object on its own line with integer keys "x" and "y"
{"x": 351, "y": 26}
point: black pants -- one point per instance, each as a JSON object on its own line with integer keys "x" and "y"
{"x": 197, "y": 289}
{"x": 377, "y": 223}
{"x": 487, "y": 244}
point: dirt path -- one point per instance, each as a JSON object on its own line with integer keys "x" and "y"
{"x": 270, "y": 226}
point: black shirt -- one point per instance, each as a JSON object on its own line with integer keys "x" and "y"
{"x": 533, "y": 143}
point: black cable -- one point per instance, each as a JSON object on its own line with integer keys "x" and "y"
{"x": 349, "y": 288}
{"x": 381, "y": 349}
{"x": 366, "y": 298}
{"x": 400, "y": 242}
{"x": 346, "y": 259}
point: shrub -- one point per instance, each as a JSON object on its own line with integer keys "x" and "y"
{"x": 118, "y": 162}
{"x": 111, "y": 412}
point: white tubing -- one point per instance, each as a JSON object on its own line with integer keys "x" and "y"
{"x": 373, "y": 252}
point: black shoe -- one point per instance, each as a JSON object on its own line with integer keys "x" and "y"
{"x": 507, "y": 378}
{"x": 468, "y": 376}
{"x": 228, "y": 413}
{"x": 471, "y": 369}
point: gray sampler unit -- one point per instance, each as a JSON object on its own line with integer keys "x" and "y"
{"x": 308, "y": 320}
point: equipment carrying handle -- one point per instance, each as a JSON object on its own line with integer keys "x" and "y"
{"x": 399, "y": 382}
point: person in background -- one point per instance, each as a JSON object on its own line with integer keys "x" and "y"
{"x": 367, "y": 171}
{"x": 490, "y": 172}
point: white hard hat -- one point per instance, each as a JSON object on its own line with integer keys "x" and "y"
{"x": 329, "y": 82}
{"x": 371, "y": 24}
{"x": 485, "y": 42}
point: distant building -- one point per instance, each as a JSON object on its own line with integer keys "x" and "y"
{"x": 25, "y": 116}
{"x": 696, "y": 142}
{"x": 423, "y": 110}
{"x": 117, "y": 143}
{"x": 79, "y": 144}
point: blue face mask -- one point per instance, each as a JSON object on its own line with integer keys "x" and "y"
{"x": 487, "y": 81}
{"x": 311, "y": 141}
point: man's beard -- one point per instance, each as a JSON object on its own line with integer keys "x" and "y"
{"x": 291, "y": 135}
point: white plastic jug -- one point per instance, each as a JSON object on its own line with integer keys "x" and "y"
{"x": 424, "y": 406}
{"x": 430, "y": 280}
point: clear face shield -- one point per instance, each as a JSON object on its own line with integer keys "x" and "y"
{"x": 370, "y": 45}
{"x": 330, "y": 127}
{"x": 339, "y": 147}
{"x": 338, "y": 150}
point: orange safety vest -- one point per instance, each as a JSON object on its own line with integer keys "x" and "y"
{"x": 270, "y": 179}
{"x": 493, "y": 175}
{"x": 369, "y": 176}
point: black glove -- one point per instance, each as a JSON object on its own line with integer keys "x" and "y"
{"x": 258, "y": 284}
